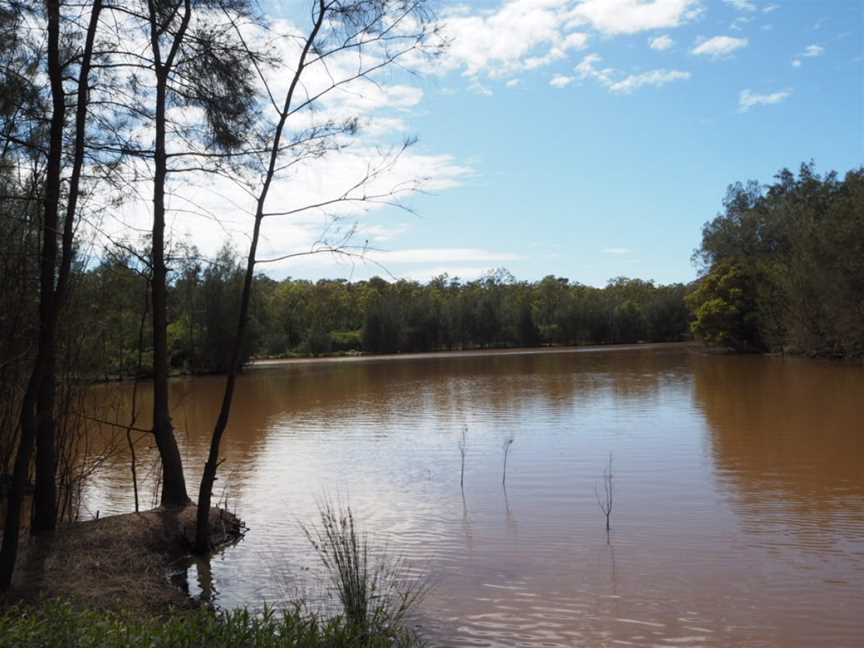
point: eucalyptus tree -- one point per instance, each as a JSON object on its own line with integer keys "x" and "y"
{"x": 345, "y": 42}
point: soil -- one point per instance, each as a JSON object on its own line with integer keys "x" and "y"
{"x": 117, "y": 562}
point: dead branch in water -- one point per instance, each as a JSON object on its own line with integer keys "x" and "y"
{"x": 606, "y": 498}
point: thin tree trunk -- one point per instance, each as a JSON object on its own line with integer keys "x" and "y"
{"x": 45, "y": 496}
{"x": 205, "y": 492}
{"x": 134, "y": 415}
{"x": 174, "y": 493}
{"x": 36, "y": 398}
{"x": 14, "y": 500}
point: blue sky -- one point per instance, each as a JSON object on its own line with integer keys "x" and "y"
{"x": 593, "y": 138}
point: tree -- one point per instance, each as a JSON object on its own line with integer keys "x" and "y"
{"x": 800, "y": 242}
{"x": 725, "y": 310}
{"x": 37, "y": 422}
{"x": 390, "y": 28}
{"x": 192, "y": 65}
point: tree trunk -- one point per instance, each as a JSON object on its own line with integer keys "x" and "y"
{"x": 37, "y": 416}
{"x": 174, "y": 493}
{"x": 173, "y": 481}
{"x": 45, "y": 496}
{"x": 205, "y": 492}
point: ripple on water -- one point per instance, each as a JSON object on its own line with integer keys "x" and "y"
{"x": 739, "y": 509}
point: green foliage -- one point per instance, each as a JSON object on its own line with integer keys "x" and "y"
{"x": 801, "y": 243}
{"x": 725, "y": 308}
{"x": 298, "y": 317}
{"x": 59, "y": 624}
{"x": 346, "y": 340}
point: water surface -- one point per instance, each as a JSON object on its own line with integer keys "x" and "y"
{"x": 739, "y": 502}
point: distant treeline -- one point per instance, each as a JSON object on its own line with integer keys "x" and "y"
{"x": 785, "y": 267}
{"x": 299, "y": 317}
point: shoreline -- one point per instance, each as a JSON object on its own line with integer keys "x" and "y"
{"x": 122, "y": 562}
{"x": 469, "y": 353}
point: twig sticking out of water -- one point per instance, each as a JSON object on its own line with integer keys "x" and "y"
{"x": 463, "y": 448}
{"x": 508, "y": 442}
{"x": 606, "y": 497}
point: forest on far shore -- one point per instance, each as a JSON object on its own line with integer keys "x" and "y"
{"x": 300, "y": 317}
{"x": 782, "y": 269}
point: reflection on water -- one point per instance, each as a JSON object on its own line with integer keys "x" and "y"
{"x": 739, "y": 507}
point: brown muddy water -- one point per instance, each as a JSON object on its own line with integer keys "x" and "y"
{"x": 739, "y": 491}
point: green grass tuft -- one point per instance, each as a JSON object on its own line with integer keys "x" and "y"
{"x": 56, "y": 624}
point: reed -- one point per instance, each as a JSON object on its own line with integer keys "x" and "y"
{"x": 375, "y": 593}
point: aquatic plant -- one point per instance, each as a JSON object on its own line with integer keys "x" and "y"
{"x": 375, "y": 593}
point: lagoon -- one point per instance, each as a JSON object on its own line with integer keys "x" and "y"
{"x": 739, "y": 490}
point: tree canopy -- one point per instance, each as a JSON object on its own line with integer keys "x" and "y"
{"x": 785, "y": 266}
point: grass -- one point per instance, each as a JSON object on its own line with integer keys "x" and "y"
{"x": 375, "y": 594}
{"x": 56, "y": 624}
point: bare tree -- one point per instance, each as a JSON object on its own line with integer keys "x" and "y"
{"x": 389, "y": 28}
{"x": 606, "y": 494}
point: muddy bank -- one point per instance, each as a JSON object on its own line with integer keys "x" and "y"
{"x": 119, "y": 562}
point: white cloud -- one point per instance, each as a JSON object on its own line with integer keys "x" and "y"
{"x": 465, "y": 273}
{"x": 440, "y": 255}
{"x": 207, "y": 210}
{"x": 739, "y": 23}
{"x": 720, "y": 46}
{"x": 748, "y": 99}
{"x": 519, "y": 35}
{"x": 380, "y": 126}
{"x": 655, "y": 78}
{"x": 420, "y": 264}
{"x": 561, "y": 81}
{"x": 615, "y": 17}
{"x": 811, "y": 51}
{"x": 750, "y": 6}
{"x": 382, "y": 233}
{"x": 661, "y": 43}
{"x": 513, "y": 83}
{"x": 742, "y": 5}
{"x": 588, "y": 69}
{"x": 480, "y": 89}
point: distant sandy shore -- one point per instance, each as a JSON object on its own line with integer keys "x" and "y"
{"x": 387, "y": 357}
